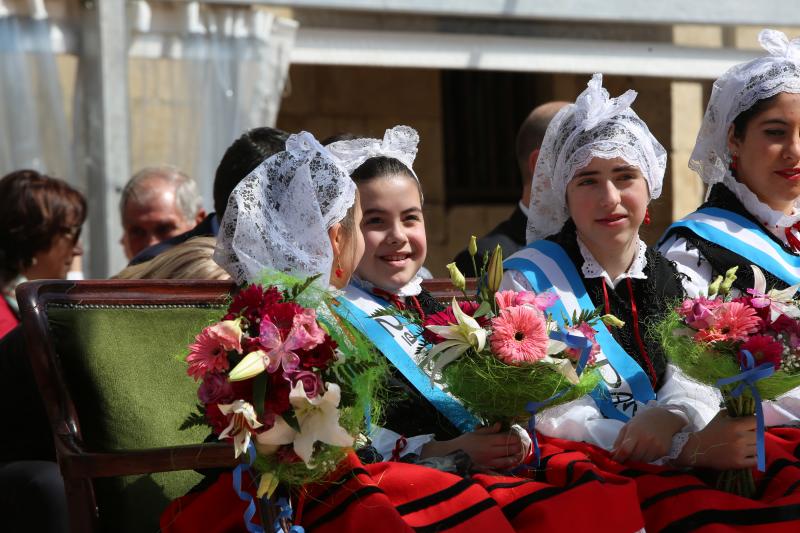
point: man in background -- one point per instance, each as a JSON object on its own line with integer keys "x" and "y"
{"x": 241, "y": 157}
{"x": 157, "y": 203}
{"x": 510, "y": 234}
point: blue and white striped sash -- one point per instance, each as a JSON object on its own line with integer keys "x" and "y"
{"x": 399, "y": 340}
{"x": 547, "y": 267}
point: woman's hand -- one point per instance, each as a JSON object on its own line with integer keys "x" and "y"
{"x": 647, "y": 436}
{"x": 487, "y": 446}
{"x": 725, "y": 443}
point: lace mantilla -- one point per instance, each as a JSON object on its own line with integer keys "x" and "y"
{"x": 594, "y": 126}
{"x": 592, "y": 269}
{"x": 278, "y": 216}
{"x": 736, "y": 91}
{"x": 399, "y": 142}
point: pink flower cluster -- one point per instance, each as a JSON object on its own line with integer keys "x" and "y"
{"x": 260, "y": 320}
{"x": 746, "y": 324}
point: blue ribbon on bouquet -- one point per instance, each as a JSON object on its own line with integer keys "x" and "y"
{"x": 578, "y": 342}
{"x": 245, "y": 496}
{"x": 285, "y": 513}
{"x": 747, "y": 381}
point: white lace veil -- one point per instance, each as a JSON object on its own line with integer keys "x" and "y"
{"x": 399, "y": 142}
{"x": 278, "y": 217}
{"x": 594, "y": 126}
{"x": 736, "y": 91}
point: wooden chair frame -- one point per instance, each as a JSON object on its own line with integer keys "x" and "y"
{"x": 78, "y": 465}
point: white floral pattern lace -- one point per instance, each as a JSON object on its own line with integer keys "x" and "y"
{"x": 399, "y": 142}
{"x": 592, "y": 269}
{"x": 736, "y": 91}
{"x": 764, "y": 213}
{"x": 594, "y": 126}
{"x": 278, "y": 216}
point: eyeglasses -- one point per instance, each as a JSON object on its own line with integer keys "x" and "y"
{"x": 73, "y": 232}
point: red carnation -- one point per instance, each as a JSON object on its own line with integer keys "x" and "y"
{"x": 282, "y": 315}
{"x": 447, "y": 318}
{"x": 278, "y": 388}
{"x": 320, "y": 357}
{"x": 765, "y": 349}
{"x": 252, "y": 301}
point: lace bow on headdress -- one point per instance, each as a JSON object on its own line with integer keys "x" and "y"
{"x": 736, "y": 91}
{"x": 278, "y": 217}
{"x": 595, "y": 105}
{"x": 594, "y": 126}
{"x": 399, "y": 142}
{"x": 779, "y": 45}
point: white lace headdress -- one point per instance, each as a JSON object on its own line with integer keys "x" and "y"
{"x": 278, "y": 217}
{"x": 594, "y": 126}
{"x": 736, "y": 91}
{"x": 399, "y": 142}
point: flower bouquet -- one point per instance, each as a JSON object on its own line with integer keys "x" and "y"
{"x": 502, "y": 353}
{"x": 285, "y": 380}
{"x": 748, "y": 347}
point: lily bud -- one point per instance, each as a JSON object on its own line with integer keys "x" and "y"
{"x": 612, "y": 321}
{"x": 727, "y": 283}
{"x": 495, "y": 273}
{"x": 713, "y": 288}
{"x": 456, "y": 277}
{"x": 472, "y": 248}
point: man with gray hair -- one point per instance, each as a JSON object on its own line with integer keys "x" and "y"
{"x": 157, "y": 203}
{"x": 510, "y": 233}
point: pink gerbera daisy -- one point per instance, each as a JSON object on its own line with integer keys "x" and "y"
{"x": 519, "y": 335}
{"x": 207, "y": 354}
{"x": 736, "y": 321}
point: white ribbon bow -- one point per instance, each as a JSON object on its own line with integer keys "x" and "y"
{"x": 777, "y": 44}
{"x": 596, "y": 106}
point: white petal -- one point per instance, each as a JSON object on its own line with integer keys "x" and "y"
{"x": 759, "y": 281}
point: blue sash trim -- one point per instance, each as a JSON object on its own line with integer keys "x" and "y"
{"x": 745, "y": 238}
{"x": 378, "y": 332}
{"x": 622, "y": 363}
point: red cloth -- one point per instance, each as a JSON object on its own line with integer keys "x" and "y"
{"x": 8, "y": 320}
{"x": 399, "y": 497}
{"x": 577, "y": 488}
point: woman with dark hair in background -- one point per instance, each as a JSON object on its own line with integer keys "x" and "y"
{"x": 40, "y": 227}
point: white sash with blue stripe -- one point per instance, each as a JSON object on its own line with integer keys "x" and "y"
{"x": 742, "y": 237}
{"x": 399, "y": 340}
{"x": 547, "y": 267}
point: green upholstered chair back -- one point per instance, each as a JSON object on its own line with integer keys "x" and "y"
{"x": 117, "y": 357}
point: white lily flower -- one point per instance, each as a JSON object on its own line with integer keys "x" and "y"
{"x": 466, "y": 333}
{"x": 242, "y": 422}
{"x": 318, "y": 419}
{"x": 780, "y": 302}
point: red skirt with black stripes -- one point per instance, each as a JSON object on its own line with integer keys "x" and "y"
{"x": 577, "y": 487}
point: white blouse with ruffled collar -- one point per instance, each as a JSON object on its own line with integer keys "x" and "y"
{"x": 592, "y": 269}
{"x": 412, "y": 288}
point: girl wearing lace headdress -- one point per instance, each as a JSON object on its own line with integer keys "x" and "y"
{"x": 748, "y": 153}
{"x": 387, "y": 277}
{"x": 294, "y": 214}
{"x": 598, "y": 168}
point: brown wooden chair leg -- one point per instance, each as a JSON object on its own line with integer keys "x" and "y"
{"x": 83, "y": 514}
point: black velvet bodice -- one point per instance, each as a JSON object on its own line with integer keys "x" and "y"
{"x": 653, "y": 297}
{"x": 721, "y": 259}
